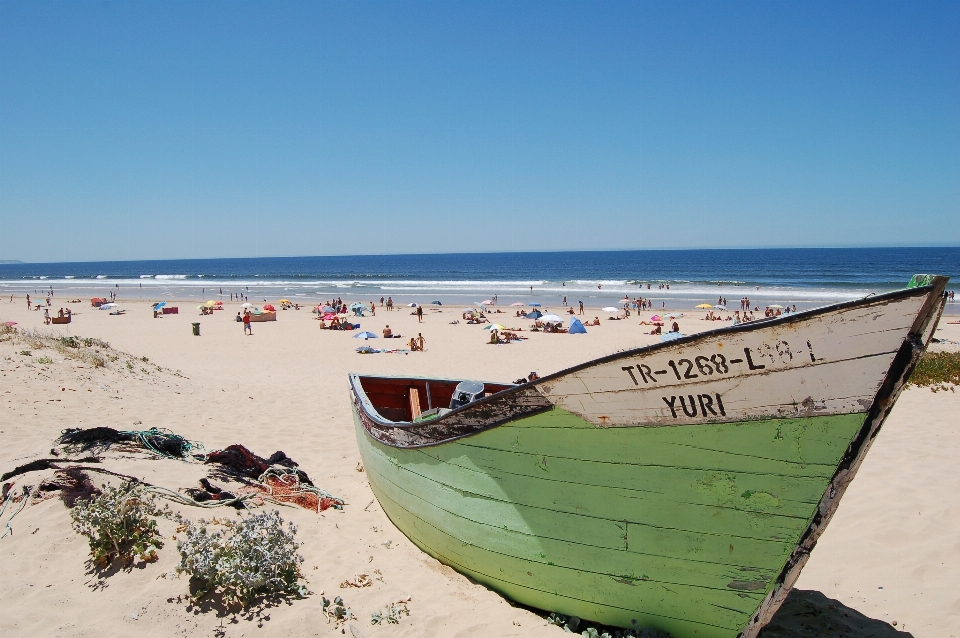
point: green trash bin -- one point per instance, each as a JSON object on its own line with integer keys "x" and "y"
{"x": 196, "y": 329}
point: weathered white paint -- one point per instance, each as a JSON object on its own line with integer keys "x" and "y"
{"x": 831, "y": 363}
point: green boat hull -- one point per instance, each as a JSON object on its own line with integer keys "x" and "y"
{"x": 684, "y": 530}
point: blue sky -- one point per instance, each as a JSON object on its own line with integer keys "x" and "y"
{"x": 173, "y": 129}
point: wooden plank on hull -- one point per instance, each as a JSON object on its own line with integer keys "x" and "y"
{"x": 828, "y": 364}
{"x": 728, "y": 607}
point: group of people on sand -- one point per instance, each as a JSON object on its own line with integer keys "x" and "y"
{"x": 64, "y": 312}
{"x": 388, "y": 303}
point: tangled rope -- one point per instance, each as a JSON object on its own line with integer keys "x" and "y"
{"x": 163, "y": 442}
{"x": 285, "y": 485}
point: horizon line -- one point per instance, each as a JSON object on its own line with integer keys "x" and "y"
{"x": 14, "y": 262}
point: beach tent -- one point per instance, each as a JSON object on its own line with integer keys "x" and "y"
{"x": 411, "y": 305}
{"x": 364, "y": 335}
{"x": 534, "y": 305}
{"x": 611, "y": 309}
{"x": 576, "y": 327}
{"x": 536, "y": 314}
{"x": 436, "y": 303}
{"x": 107, "y": 306}
{"x": 328, "y": 309}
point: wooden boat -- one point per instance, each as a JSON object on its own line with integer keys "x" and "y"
{"x": 680, "y": 486}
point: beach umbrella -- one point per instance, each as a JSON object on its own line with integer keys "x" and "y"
{"x": 469, "y": 310}
{"x": 655, "y": 318}
{"x": 159, "y": 305}
{"x": 576, "y": 327}
{"x": 518, "y": 303}
{"x": 436, "y": 303}
{"x": 550, "y": 318}
{"x": 325, "y": 309}
{"x": 356, "y": 305}
{"x": 776, "y": 306}
{"x": 364, "y": 335}
{"x": 270, "y": 307}
{"x": 704, "y": 305}
{"x": 534, "y": 305}
{"x": 411, "y": 305}
{"x": 486, "y": 302}
{"x": 718, "y": 307}
{"x": 625, "y": 300}
{"x": 247, "y": 306}
{"x": 495, "y": 326}
{"x": 536, "y": 314}
{"x": 283, "y": 301}
{"x": 611, "y": 309}
{"x": 107, "y": 306}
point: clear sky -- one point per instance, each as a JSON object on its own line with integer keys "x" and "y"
{"x": 212, "y": 129}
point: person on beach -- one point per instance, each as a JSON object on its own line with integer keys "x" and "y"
{"x": 564, "y": 302}
{"x": 419, "y": 314}
{"x": 581, "y": 307}
{"x": 420, "y": 341}
{"x": 46, "y": 316}
{"x": 247, "y": 328}
{"x": 387, "y": 332}
{"x": 389, "y": 304}
{"x": 373, "y": 309}
{"x": 413, "y": 344}
{"x": 28, "y": 302}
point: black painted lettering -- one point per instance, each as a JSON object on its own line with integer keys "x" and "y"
{"x": 750, "y": 363}
{"x": 674, "y": 366}
{"x": 646, "y": 373}
{"x": 720, "y": 405}
{"x": 736, "y": 360}
{"x": 693, "y": 406}
{"x": 706, "y": 403}
{"x": 629, "y": 370}
{"x": 672, "y": 404}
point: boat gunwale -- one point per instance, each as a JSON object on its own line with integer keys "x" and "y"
{"x": 883, "y": 298}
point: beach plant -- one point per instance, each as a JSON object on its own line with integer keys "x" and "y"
{"x": 936, "y": 369}
{"x": 118, "y": 524}
{"x": 45, "y": 360}
{"x": 253, "y": 557}
{"x": 336, "y": 610}
{"x": 391, "y": 614}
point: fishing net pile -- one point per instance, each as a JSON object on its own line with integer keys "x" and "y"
{"x": 275, "y": 479}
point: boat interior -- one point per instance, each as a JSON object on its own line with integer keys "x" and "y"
{"x": 408, "y": 400}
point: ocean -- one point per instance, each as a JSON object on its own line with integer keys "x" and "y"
{"x": 806, "y": 277}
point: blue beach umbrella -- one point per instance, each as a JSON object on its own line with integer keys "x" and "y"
{"x": 364, "y": 335}
{"x": 536, "y": 314}
{"x": 436, "y": 303}
{"x": 159, "y": 305}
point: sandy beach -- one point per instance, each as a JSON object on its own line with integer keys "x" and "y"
{"x": 889, "y": 555}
